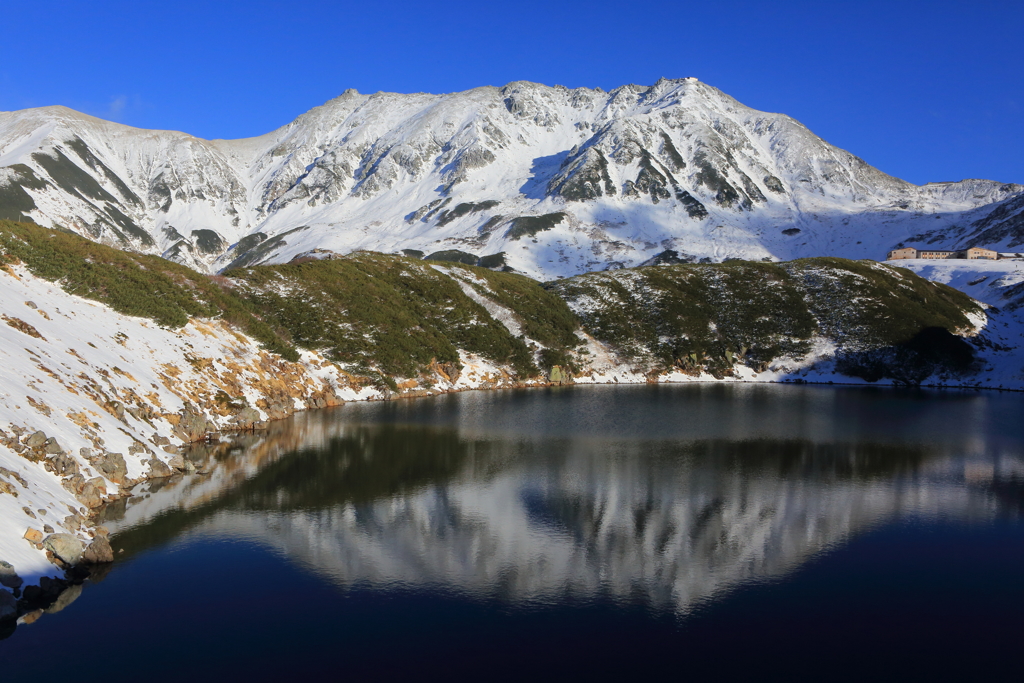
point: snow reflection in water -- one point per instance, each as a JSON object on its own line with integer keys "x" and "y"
{"x": 666, "y": 495}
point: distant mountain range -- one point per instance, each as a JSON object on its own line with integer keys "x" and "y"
{"x": 548, "y": 181}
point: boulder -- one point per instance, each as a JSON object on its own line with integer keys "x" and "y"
{"x": 33, "y": 535}
{"x": 9, "y": 577}
{"x": 182, "y": 464}
{"x": 112, "y": 466}
{"x": 52, "y": 447}
{"x": 192, "y": 426}
{"x": 91, "y": 495}
{"x": 36, "y": 440}
{"x": 116, "y": 408}
{"x": 62, "y": 464}
{"x": 247, "y": 418}
{"x": 161, "y": 441}
{"x": 98, "y": 552}
{"x": 280, "y": 410}
{"x": 158, "y": 469}
{"x": 74, "y": 483}
{"x": 65, "y": 546}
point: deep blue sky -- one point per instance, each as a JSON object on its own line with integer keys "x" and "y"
{"x": 922, "y": 90}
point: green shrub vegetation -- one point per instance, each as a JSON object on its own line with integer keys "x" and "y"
{"x": 399, "y": 313}
{"x": 694, "y": 316}
{"x": 133, "y": 284}
{"x": 387, "y": 315}
{"x": 864, "y": 304}
{"x": 369, "y": 310}
{"x": 707, "y": 316}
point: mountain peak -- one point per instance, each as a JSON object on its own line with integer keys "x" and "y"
{"x": 557, "y": 180}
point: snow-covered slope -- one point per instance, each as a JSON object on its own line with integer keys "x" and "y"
{"x": 559, "y": 181}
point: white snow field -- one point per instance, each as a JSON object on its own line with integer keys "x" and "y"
{"x": 616, "y": 177}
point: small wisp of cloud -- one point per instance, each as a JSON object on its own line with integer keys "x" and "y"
{"x": 117, "y": 106}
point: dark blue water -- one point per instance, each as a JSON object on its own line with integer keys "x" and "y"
{"x": 744, "y": 533}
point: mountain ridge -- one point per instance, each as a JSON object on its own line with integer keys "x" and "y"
{"x": 615, "y": 178}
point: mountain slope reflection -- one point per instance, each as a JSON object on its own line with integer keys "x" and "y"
{"x": 534, "y": 519}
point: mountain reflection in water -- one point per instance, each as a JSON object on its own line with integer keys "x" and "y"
{"x": 664, "y": 495}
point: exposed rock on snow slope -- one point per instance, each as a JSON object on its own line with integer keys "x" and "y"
{"x": 110, "y": 395}
{"x": 559, "y": 181}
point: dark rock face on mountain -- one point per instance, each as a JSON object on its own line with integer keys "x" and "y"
{"x": 630, "y": 173}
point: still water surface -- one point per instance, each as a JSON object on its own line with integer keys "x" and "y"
{"x": 742, "y": 532}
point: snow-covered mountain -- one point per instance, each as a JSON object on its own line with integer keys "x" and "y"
{"x": 560, "y": 181}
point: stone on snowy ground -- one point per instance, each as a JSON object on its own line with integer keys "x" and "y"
{"x": 33, "y": 535}
{"x": 192, "y": 425}
{"x": 62, "y": 464}
{"x": 112, "y": 466}
{"x": 35, "y": 440}
{"x": 65, "y": 546}
{"x": 98, "y": 552}
{"x": 116, "y": 408}
{"x": 52, "y": 447}
{"x": 74, "y": 484}
{"x": 47, "y": 529}
{"x": 158, "y": 469}
{"x": 92, "y": 492}
{"x": 9, "y": 577}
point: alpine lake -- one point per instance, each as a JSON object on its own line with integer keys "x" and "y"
{"x": 732, "y": 532}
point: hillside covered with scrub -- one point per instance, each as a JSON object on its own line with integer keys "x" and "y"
{"x": 874, "y": 321}
{"x": 394, "y": 317}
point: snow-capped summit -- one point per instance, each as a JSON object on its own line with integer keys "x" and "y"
{"x": 550, "y": 181}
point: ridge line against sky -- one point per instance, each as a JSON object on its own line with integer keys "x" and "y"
{"x": 925, "y": 91}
